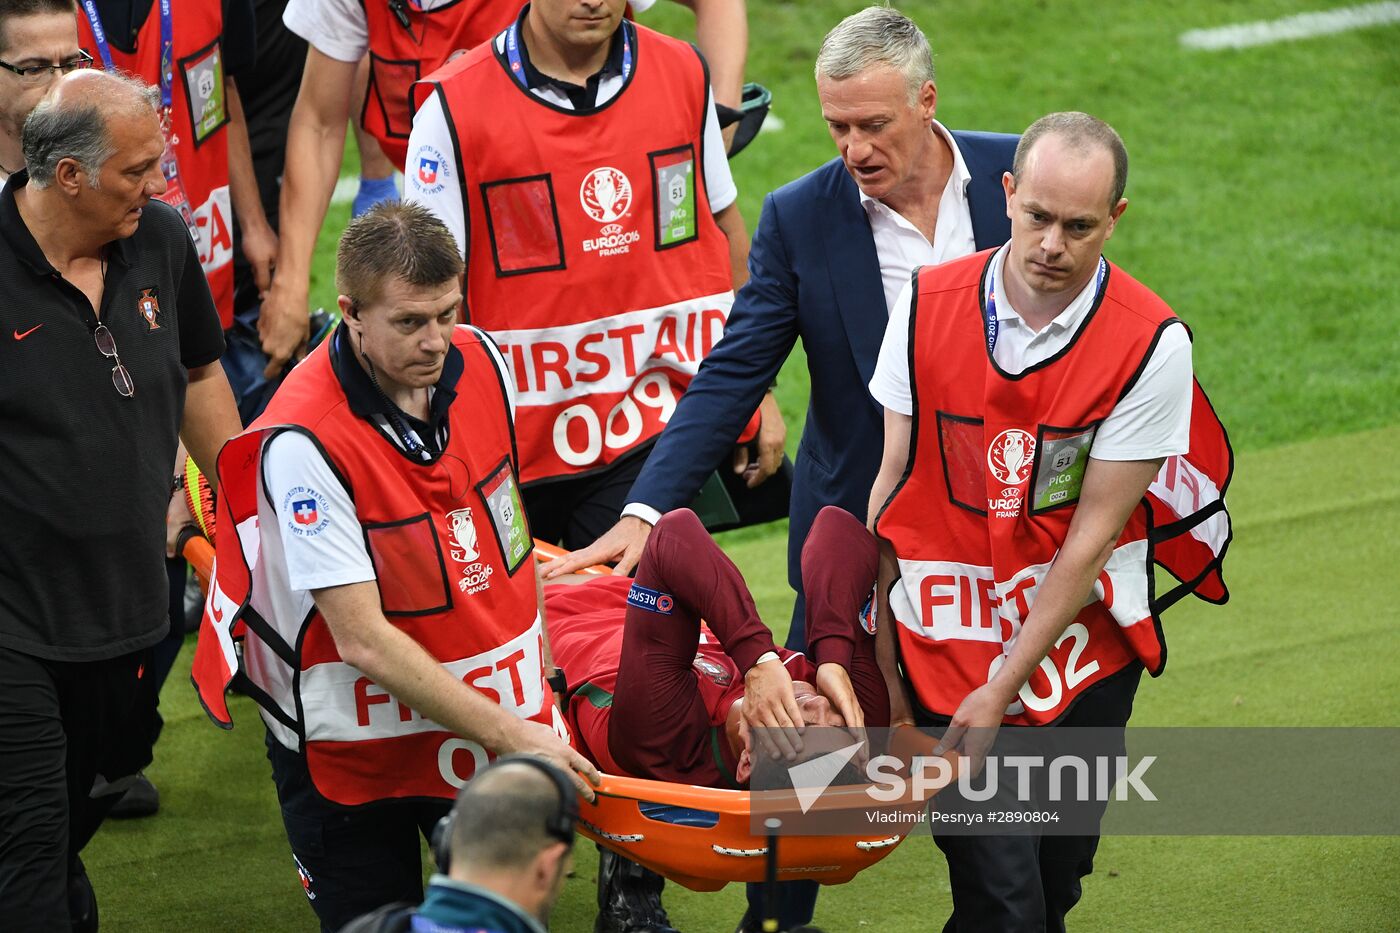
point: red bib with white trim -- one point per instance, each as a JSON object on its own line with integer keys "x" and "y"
{"x": 198, "y": 115}
{"x": 997, "y": 463}
{"x": 402, "y": 50}
{"x": 593, "y": 257}
{"x": 452, "y": 560}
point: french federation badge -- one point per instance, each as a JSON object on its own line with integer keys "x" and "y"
{"x": 149, "y": 308}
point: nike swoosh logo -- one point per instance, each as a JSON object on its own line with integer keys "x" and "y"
{"x": 19, "y": 336}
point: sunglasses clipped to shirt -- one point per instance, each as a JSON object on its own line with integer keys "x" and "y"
{"x": 33, "y": 74}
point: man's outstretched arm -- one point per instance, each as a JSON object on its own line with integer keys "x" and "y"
{"x": 393, "y": 660}
{"x": 1112, "y": 489}
{"x": 316, "y": 135}
{"x": 732, "y": 381}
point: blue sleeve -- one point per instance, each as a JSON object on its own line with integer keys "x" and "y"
{"x": 760, "y": 334}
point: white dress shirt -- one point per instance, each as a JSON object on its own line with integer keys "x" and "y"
{"x": 1152, "y": 420}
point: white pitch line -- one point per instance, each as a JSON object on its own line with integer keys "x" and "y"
{"x": 1290, "y": 28}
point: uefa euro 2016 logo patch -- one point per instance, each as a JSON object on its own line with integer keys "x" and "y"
{"x": 606, "y": 194}
{"x": 1011, "y": 455}
{"x": 651, "y": 600}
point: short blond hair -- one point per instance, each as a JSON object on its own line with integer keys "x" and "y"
{"x": 394, "y": 240}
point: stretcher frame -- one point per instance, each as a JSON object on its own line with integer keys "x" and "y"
{"x": 699, "y": 837}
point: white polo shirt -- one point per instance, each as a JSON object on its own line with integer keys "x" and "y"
{"x": 1153, "y": 420}
{"x": 338, "y": 29}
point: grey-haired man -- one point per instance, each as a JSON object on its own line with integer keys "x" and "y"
{"x": 109, "y": 355}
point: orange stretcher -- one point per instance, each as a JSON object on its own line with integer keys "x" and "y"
{"x": 700, "y": 837}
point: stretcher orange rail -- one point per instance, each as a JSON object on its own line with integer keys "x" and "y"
{"x": 707, "y": 857}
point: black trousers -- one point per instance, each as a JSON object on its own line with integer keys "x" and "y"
{"x": 61, "y": 724}
{"x": 1028, "y": 882}
{"x": 350, "y": 860}
{"x": 574, "y": 513}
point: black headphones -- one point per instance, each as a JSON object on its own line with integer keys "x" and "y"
{"x": 558, "y": 825}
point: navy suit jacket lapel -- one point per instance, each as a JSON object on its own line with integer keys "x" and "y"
{"x": 986, "y": 157}
{"x": 854, "y": 268}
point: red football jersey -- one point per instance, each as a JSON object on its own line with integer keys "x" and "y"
{"x": 585, "y": 623}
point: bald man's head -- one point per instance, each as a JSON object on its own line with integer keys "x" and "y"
{"x": 77, "y": 118}
{"x": 501, "y": 817}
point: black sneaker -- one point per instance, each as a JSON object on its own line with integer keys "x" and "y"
{"x": 629, "y": 897}
{"x": 82, "y": 901}
{"x": 140, "y": 800}
{"x": 749, "y": 925}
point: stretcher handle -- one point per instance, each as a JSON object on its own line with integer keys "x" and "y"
{"x": 680, "y": 795}
{"x": 196, "y": 549}
{"x": 544, "y": 552}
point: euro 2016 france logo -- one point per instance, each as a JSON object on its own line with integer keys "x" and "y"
{"x": 1011, "y": 455}
{"x": 606, "y": 194}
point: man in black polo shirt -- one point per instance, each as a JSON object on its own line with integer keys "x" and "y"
{"x": 109, "y": 354}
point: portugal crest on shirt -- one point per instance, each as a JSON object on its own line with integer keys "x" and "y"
{"x": 149, "y": 308}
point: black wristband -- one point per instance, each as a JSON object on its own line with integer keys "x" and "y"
{"x": 558, "y": 682}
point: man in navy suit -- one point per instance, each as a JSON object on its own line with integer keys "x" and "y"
{"x": 830, "y": 255}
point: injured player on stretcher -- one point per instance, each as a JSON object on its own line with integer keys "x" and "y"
{"x": 656, "y": 693}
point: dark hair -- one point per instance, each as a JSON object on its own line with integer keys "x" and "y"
{"x": 11, "y": 9}
{"x": 502, "y": 817}
{"x": 1080, "y": 131}
{"x": 390, "y": 241}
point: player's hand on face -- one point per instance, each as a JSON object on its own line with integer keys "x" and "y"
{"x": 535, "y": 738}
{"x": 835, "y": 684}
{"x": 974, "y": 726}
{"x": 770, "y": 707}
{"x": 623, "y": 543}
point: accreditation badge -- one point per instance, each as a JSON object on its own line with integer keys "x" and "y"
{"x": 203, "y": 74}
{"x": 1061, "y": 459}
{"x": 673, "y": 193}
{"x": 507, "y": 514}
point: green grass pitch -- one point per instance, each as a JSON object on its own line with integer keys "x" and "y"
{"x": 1264, "y": 208}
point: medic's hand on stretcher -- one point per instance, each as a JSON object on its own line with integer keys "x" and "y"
{"x": 535, "y": 738}
{"x": 622, "y": 543}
